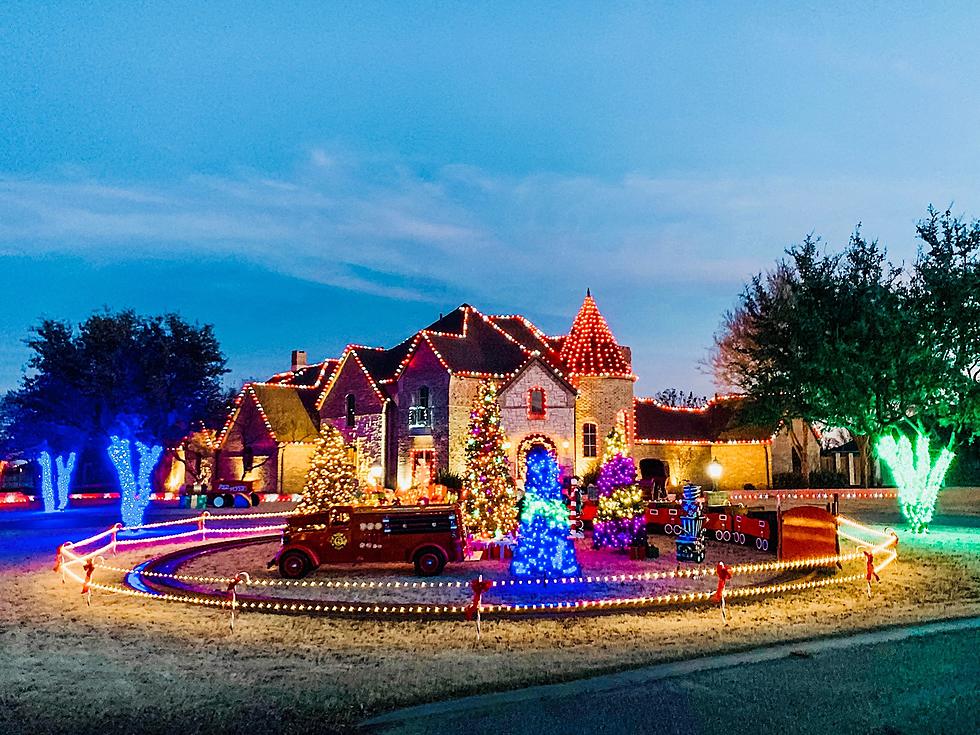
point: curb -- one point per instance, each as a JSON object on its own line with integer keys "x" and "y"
{"x": 657, "y": 672}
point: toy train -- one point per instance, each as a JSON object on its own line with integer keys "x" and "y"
{"x": 734, "y": 524}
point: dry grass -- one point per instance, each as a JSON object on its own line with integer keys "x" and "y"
{"x": 124, "y": 665}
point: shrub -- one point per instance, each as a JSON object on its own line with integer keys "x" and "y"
{"x": 451, "y": 480}
{"x": 828, "y": 478}
{"x": 788, "y": 480}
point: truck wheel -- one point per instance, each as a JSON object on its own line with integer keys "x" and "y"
{"x": 294, "y": 565}
{"x": 253, "y": 499}
{"x": 429, "y": 562}
{"x": 217, "y": 501}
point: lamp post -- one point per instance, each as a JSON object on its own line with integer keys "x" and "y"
{"x": 714, "y": 472}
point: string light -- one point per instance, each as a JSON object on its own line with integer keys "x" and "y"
{"x": 917, "y": 476}
{"x": 47, "y": 483}
{"x": 543, "y": 545}
{"x": 590, "y": 347}
{"x": 490, "y": 499}
{"x": 73, "y": 561}
{"x": 135, "y": 489}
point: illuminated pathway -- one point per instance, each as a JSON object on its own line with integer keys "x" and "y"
{"x": 918, "y": 679}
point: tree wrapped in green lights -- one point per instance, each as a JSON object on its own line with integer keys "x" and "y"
{"x": 490, "y": 497}
{"x": 332, "y": 477}
{"x": 544, "y": 548}
{"x": 892, "y": 354}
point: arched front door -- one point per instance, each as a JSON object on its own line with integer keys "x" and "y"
{"x": 527, "y": 444}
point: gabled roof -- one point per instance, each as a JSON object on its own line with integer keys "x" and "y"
{"x": 288, "y": 412}
{"x": 561, "y": 379}
{"x": 719, "y": 422}
{"x": 590, "y": 347}
{"x": 315, "y": 375}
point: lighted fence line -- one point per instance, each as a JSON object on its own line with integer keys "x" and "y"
{"x": 697, "y": 572}
{"x": 69, "y": 558}
{"x": 820, "y": 494}
{"x": 690, "y": 598}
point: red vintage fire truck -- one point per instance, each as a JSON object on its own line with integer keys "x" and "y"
{"x": 427, "y": 536}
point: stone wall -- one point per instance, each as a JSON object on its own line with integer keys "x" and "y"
{"x": 599, "y": 401}
{"x": 463, "y": 393}
{"x": 741, "y": 464}
{"x": 423, "y": 370}
{"x": 558, "y": 423}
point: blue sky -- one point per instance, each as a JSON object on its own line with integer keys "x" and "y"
{"x": 312, "y": 174}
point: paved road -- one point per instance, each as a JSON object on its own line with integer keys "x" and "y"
{"x": 885, "y": 682}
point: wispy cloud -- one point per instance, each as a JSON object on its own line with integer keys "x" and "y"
{"x": 387, "y": 227}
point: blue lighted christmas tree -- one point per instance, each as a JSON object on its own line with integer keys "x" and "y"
{"x": 543, "y": 546}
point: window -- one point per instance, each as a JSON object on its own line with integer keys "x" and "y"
{"x": 420, "y": 413}
{"x": 535, "y": 403}
{"x": 350, "y": 410}
{"x": 590, "y": 444}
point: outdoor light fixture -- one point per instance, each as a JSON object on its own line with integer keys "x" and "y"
{"x": 714, "y": 472}
{"x": 374, "y": 475}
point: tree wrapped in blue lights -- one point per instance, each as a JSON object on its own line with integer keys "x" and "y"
{"x": 544, "y": 548}
{"x": 55, "y": 476}
{"x": 123, "y": 383}
{"x": 134, "y": 489}
{"x": 619, "y": 521}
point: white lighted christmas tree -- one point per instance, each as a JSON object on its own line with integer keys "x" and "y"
{"x": 332, "y": 478}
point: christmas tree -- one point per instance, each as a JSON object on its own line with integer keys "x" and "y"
{"x": 332, "y": 478}
{"x": 543, "y": 546}
{"x": 619, "y": 520}
{"x": 615, "y": 443}
{"x": 490, "y": 500}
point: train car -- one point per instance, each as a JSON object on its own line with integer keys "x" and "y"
{"x": 758, "y": 527}
{"x": 725, "y": 523}
{"x": 664, "y": 518}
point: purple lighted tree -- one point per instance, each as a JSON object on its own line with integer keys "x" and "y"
{"x": 619, "y": 517}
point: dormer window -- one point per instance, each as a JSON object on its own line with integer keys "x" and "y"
{"x": 351, "y": 410}
{"x": 535, "y": 403}
{"x": 420, "y": 412}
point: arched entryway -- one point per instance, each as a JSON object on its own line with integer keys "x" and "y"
{"x": 527, "y": 444}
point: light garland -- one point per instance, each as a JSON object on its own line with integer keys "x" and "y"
{"x": 490, "y": 498}
{"x": 71, "y": 561}
{"x": 47, "y": 483}
{"x": 543, "y": 545}
{"x": 590, "y": 348}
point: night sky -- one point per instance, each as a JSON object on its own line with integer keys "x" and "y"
{"x": 310, "y": 175}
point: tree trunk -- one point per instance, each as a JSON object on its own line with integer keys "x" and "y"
{"x": 863, "y": 460}
{"x": 805, "y": 454}
{"x": 800, "y": 450}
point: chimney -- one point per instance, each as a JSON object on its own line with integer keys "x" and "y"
{"x": 298, "y": 360}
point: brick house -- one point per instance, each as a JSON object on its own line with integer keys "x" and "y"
{"x": 405, "y": 410}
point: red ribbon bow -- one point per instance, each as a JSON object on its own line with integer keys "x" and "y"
{"x": 479, "y": 586}
{"x": 724, "y": 574}
{"x": 89, "y": 571}
{"x": 59, "y": 559}
{"x": 870, "y": 572}
{"x": 230, "y": 589}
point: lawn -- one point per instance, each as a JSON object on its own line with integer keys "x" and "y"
{"x": 125, "y": 665}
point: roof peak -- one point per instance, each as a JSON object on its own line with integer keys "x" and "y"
{"x": 590, "y": 347}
